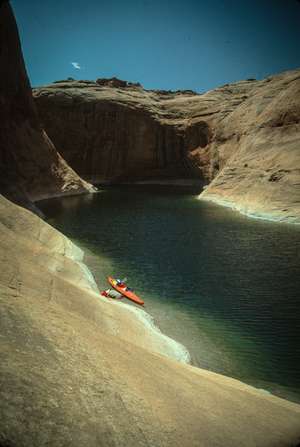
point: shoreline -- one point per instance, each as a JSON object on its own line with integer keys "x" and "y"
{"x": 176, "y": 350}
{"x": 267, "y": 217}
{"x": 73, "y": 347}
{"x": 180, "y": 352}
{"x": 184, "y": 183}
{"x": 36, "y": 199}
{"x": 155, "y": 182}
{"x": 167, "y": 182}
{"x": 165, "y": 345}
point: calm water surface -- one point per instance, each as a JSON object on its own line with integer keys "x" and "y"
{"x": 226, "y": 286}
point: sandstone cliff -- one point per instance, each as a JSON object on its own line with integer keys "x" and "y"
{"x": 78, "y": 369}
{"x": 110, "y": 130}
{"x": 30, "y": 167}
{"x": 244, "y": 136}
{"x": 258, "y": 151}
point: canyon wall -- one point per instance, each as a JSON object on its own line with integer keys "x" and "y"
{"x": 79, "y": 369}
{"x": 112, "y": 134}
{"x": 258, "y": 151}
{"x": 112, "y": 130}
{"x": 30, "y": 166}
{"x": 241, "y": 140}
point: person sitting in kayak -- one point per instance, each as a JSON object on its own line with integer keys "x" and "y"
{"x": 121, "y": 284}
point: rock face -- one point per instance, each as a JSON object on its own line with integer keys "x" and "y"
{"x": 112, "y": 130}
{"x": 79, "y": 369}
{"x": 30, "y": 167}
{"x": 257, "y": 149}
{"x": 111, "y": 133}
{"x": 244, "y": 136}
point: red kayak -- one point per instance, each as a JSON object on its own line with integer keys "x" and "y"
{"x": 123, "y": 289}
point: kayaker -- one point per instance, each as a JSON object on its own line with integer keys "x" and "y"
{"x": 121, "y": 284}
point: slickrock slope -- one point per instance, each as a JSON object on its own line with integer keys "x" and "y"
{"x": 244, "y": 135}
{"x": 30, "y": 167}
{"x": 258, "y": 151}
{"x": 77, "y": 369}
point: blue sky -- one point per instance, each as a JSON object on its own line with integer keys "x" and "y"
{"x": 172, "y": 44}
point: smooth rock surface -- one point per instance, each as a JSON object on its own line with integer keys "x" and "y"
{"x": 258, "y": 151}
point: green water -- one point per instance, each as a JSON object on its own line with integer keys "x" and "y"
{"x": 224, "y": 285}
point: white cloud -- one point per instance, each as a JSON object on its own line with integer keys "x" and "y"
{"x": 76, "y": 65}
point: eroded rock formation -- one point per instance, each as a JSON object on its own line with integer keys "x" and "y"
{"x": 244, "y": 136}
{"x": 111, "y": 130}
{"x": 77, "y": 369}
{"x": 111, "y": 134}
{"x": 30, "y": 167}
{"x": 257, "y": 149}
